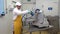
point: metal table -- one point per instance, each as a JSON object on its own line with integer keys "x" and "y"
{"x": 32, "y": 29}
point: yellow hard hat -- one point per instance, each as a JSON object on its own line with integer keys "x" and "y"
{"x": 18, "y": 3}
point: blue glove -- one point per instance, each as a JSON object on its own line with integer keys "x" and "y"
{"x": 32, "y": 13}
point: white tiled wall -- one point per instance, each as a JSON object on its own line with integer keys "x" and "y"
{"x": 44, "y": 4}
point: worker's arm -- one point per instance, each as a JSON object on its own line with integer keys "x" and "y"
{"x": 22, "y": 12}
{"x": 25, "y": 12}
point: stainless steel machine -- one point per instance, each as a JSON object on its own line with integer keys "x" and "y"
{"x": 41, "y": 20}
{"x": 37, "y": 18}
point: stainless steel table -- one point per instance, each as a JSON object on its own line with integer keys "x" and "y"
{"x": 33, "y": 29}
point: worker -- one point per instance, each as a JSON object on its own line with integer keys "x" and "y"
{"x": 17, "y": 17}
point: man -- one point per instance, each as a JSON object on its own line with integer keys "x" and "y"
{"x": 18, "y": 18}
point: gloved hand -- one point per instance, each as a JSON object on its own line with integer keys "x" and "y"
{"x": 29, "y": 12}
{"x": 32, "y": 14}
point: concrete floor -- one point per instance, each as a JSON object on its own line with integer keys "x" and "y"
{"x": 58, "y": 32}
{"x": 43, "y": 32}
{"x": 37, "y": 32}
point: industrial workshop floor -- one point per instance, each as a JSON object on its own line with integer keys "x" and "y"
{"x": 58, "y": 32}
{"x": 37, "y": 32}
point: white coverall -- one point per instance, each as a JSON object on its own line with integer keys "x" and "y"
{"x": 17, "y": 17}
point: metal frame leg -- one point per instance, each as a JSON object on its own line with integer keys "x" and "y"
{"x": 30, "y": 32}
{"x": 39, "y": 32}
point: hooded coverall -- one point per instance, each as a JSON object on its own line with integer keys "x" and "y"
{"x": 17, "y": 17}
